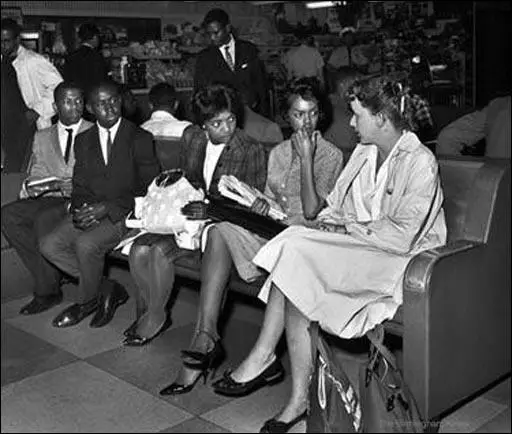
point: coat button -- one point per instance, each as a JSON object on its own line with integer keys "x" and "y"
{"x": 369, "y": 232}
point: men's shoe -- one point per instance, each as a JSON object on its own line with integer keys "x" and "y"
{"x": 75, "y": 314}
{"x": 41, "y": 303}
{"x": 112, "y": 296}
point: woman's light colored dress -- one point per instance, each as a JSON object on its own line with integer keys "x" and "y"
{"x": 351, "y": 282}
{"x": 283, "y": 185}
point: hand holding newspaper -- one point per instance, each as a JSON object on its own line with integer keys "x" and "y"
{"x": 233, "y": 188}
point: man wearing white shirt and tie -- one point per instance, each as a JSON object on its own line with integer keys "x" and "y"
{"x": 231, "y": 61}
{"x": 115, "y": 162}
{"x": 39, "y": 210}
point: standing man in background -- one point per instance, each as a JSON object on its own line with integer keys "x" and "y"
{"x": 231, "y": 61}
{"x": 305, "y": 60}
{"x": 86, "y": 66}
{"x": 37, "y": 77}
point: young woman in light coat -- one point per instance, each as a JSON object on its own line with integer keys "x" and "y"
{"x": 346, "y": 270}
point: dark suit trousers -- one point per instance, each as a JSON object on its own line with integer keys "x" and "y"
{"x": 81, "y": 254}
{"x": 24, "y": 222}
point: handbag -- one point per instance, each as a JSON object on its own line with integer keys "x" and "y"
{"x": 160, "y": 210}
{"x": 388, "y": 404}
{"x": 334, "y": 406}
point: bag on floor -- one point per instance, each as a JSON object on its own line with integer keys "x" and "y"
{"x": 388, "y": 404}
{"x": 333, "y": 403}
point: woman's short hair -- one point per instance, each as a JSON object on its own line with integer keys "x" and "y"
{"x": 215, "y": 98}
{"x": 385, "y": 95}
{"x": 309, "y": 89}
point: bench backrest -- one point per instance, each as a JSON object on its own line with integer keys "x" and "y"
{"x": 472, "y": 187}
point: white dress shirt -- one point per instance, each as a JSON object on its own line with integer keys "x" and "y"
{"x": 231, "y": 46}
{"x": 37, "y": 78}
{"x": 63, "y": 135}
{"x": 213, "y": 153}
{"x": 104, "y": 138}
{"x": 162, "y": 123}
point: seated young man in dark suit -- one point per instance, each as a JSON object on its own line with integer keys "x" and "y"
{"x": 38, "y": 211}
{"x": 115, "y": 161}
{"x": 231, "y": 61}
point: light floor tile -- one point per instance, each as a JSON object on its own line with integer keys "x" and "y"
{"x": 196, "y": 425}
{"x": 24, "y": 355}
{"x": 12, "y": 308}
{"x": 81, "y": 398}
{"x": 500, "y": 394}
{"x": 500, "y": 423}
{"x": 471, "y": 417}
{"x": 84, "y": 341}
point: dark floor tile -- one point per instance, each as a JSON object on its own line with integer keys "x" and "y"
{"x": 196, "y": 425}
{"x": 156, "y": 365}
{"x": 24, "y": 355}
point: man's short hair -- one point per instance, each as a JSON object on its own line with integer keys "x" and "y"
{"x": 107, "y": 84}
{"x": 63, "y": 86}
{"x": 162, "y": 95}
{"x": 87, "y": 31}
{"x": 216, "y": 15}
{"x": 12, "y": 26}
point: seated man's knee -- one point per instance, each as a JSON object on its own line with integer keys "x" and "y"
{"x": 87, "y": 246}
{"x": 48, "y": 245}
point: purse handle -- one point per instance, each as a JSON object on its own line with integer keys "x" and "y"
{"x": 376, "y": 337}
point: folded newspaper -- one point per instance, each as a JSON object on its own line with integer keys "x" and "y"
{"x": 234, "y": 189}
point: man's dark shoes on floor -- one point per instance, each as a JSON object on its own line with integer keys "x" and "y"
{"x": 75, "y": 314}
{"x": 111, "y": 297}
{"x": 41, "y": 303}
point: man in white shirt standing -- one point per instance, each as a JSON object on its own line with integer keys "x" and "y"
{"x": 37, "y": 77}
{"x": 163, "y": 103}
{"x": 39, "y": 210}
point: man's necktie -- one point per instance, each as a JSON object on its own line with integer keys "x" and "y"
{"x": 69, "y": 143}
{"x": 109, "y": 145}
{"x": 229, "y": 59}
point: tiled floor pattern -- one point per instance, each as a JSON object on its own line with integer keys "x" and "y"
{"x": 83, "y": 380}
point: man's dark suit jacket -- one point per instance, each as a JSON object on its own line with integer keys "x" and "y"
{"x": 85, "y": 67}
{"x": 131, "y": 168}
{"x": 242, "y": 157}
{"x": 248, "y": 77}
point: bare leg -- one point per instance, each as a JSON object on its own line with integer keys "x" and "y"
{"x": 215, "y": 271}
{"x": 263, "y": 351}
{"x": 301, "y": 360}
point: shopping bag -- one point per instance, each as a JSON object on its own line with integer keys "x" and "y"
{"x": 333, "y": 402}
{"x": 388, "y": 404}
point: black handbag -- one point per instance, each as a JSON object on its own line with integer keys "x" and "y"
{"x": 388, "y": 404}
{"x": 333, "y": 402}
{"x": 223, "y": 209}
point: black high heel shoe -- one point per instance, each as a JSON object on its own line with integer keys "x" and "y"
{"x": 132, "y": 329}
{"x": 135, "y": 340}
{"x": 204, "y": 362}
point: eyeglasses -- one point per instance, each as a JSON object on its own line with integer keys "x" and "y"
{"x": 169, "y": 177}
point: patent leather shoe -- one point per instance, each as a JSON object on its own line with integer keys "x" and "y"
{"x": 180, "y": 389}
{"x": 113, "y": 296}
{"x": 75, "y": 314}
{"x": 229, "y": 387}
{"x": 277, "y": 426}
{"x": 41, "y": 303}
{"x": 134, "y": 340}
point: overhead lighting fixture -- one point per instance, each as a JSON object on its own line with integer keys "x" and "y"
{"x": 325, "y": 4}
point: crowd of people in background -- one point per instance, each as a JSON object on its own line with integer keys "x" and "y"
{"x": 347, "y": 131}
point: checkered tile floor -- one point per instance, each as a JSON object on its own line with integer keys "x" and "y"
{"x": 83, "y": 380}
